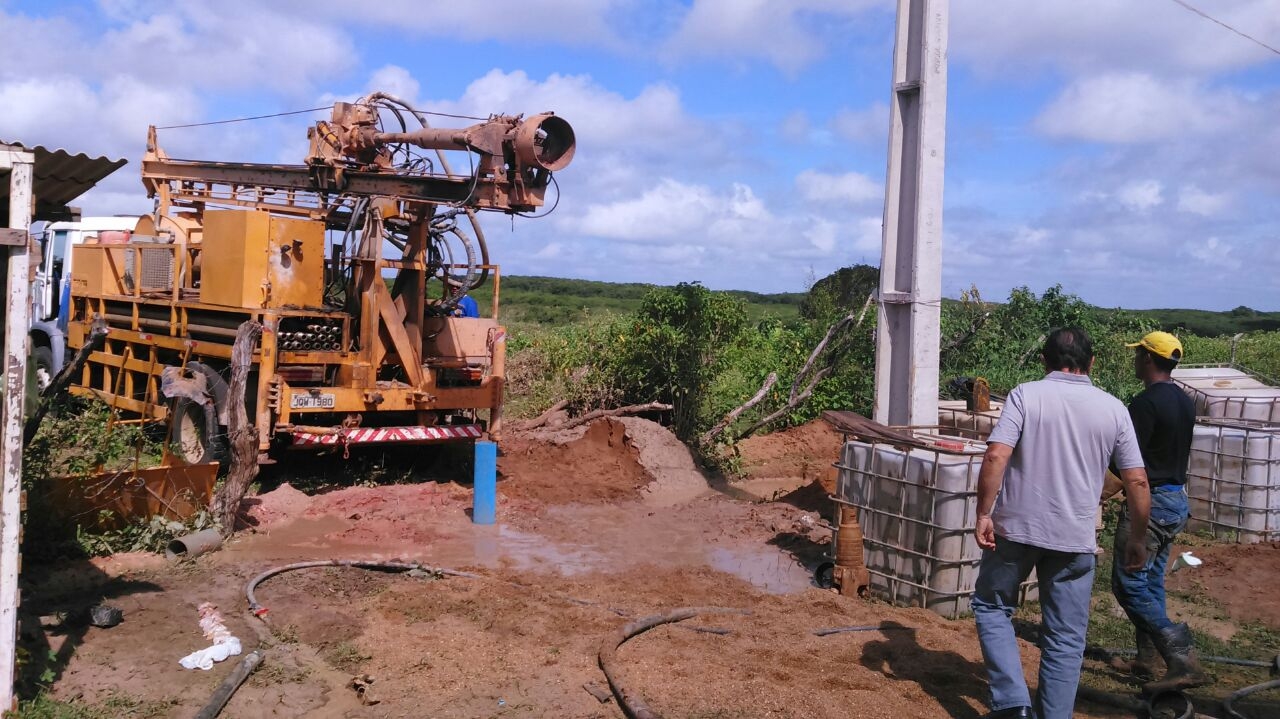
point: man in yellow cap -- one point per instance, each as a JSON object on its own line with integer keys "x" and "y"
{"x": 1163, "y": 420}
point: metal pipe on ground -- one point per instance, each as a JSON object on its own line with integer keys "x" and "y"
{"x": 228, "y": 687}
{"x": 193, "y": 545}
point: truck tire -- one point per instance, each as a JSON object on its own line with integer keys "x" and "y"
{"x": 42, "y": 358}
{"x": 194, "y": 433}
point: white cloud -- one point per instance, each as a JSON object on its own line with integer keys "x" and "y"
{"x": 59, "y": 111}
{"x": 786, "y": 33}
{"x": 395, "y": 80}
{"x": 823, "y": 234}
{"x": 541, "y": 22}
{"x": 868, "y": 238}
{"x": 1012, "y": 38}
{"x": 550, "y": 251}
{"x": 1141, "y": 196}
{"x": 870, "y": 124}
{"x": 1212, "y": 252}
{"x": 795, "y": 127}
{"x": 1135, "y": 108}
{"x": 673, "y": 212}
{"x": 1196, "y": 201}
{"x": 1029, "y": 238}
{"x": 653, "y": 120}
{"x": 235, "y": 45}
{"x": 850, "y": 187}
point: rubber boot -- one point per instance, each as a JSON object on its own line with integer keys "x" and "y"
{"x": 1185, "y": 672}
{"x": 1145, "y": 665}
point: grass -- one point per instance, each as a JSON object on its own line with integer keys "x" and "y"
{"x": 1107, "y": 629}
{"x": 346, "y": 656}
{"x": 118, "y": 706}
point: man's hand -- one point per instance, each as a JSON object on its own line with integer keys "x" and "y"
{"x": 1135, "y": 553}
{"x": 1138, "y": 496}
{"x": 987, "y": 532}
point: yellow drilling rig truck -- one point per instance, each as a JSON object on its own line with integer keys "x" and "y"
{"x": 357, "y": 265}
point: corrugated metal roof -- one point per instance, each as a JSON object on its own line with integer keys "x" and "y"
{"x": 61, "y": 177}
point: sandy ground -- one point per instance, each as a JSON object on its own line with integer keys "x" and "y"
{"x": 595, "y": 526}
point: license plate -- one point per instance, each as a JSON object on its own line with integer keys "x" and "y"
{"x": 320, "y": 400}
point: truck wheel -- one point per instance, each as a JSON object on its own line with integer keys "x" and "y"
{"x": 42, "y": 357}
{"x": 191, "y": 436}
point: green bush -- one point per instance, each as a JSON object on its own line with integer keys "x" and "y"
{"x": 74, "y": 442}
{"x": 707, "y": 352}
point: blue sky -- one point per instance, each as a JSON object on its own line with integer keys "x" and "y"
{"x": 1128, "y": 151}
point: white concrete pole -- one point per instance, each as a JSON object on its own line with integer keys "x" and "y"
{"x": 17, "y": 316}
{"x": 910, "y": 301}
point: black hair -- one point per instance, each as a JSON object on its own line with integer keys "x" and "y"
{"x": 1068, "y": 348}
{"x": 1163, "y": 364}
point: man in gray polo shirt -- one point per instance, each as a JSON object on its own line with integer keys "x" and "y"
{"x": 1038, "y": 492}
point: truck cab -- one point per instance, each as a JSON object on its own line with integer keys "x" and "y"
{"x": 51, "y": 291}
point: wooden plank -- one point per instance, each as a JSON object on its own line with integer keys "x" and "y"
{"x": 12, "y": 237}
{"x": 152, "y": 411}
{"x": 17, "y": 316}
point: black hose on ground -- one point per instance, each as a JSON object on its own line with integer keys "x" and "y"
{"x": 1229, "y": 703}
{"x": 228, "y": 687}
{"x": 1272, "y": 665}
{"x": 1173, "y": 705}
{"x": 632, "y": 704}
{"x": 260, "y": 611}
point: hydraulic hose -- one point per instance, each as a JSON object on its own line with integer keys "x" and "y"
{"x": 632, "y": 704}
{"x": 444, "y": 164}
{"x": 260, "y": 611}
{"x": 1229, "y": 703}
{"x": 1273, "y": 665}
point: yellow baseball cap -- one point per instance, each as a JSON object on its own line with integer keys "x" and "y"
{"x": 1160, "y": 343}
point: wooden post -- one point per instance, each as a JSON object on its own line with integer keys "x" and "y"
{"x": 242, "y": 434}
{"x": 17, "y": 318}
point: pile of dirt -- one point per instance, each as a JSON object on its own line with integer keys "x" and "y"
{"x": 805, "y": 452}
{"x": 282, "y": 503}
{"x": 676, "y": 477}
{"x": 602, "y": 465}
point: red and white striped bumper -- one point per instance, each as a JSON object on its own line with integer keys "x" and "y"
{"x": 383, "y": 435}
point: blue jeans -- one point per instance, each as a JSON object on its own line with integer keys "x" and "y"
{"x": 1141, "y": 593}
{"x": 1065, "y": 580}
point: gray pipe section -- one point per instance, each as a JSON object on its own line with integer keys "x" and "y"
{"x": 193, "y": 545}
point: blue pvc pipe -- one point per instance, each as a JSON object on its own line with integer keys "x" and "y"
{"x": 485, "y": 494}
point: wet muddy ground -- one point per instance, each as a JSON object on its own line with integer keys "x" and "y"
{"x": 594, "y": 527}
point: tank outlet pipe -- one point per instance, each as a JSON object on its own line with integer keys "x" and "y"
{"x": 193, "y": 545}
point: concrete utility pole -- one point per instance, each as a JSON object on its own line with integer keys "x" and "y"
{"x": 13, "y": 247}
{"x": 910, "y": 302}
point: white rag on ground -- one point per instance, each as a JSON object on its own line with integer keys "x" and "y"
{"x": 224, "y": 645}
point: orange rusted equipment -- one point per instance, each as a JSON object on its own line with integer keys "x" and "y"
{"x": 354, "y": 263}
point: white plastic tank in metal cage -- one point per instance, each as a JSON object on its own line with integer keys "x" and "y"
{"x": 1223, "y": 392}
{"x": 917, "y": 507}
{"x": 954, "y": 414}
{"x": 1233, "y": 480}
